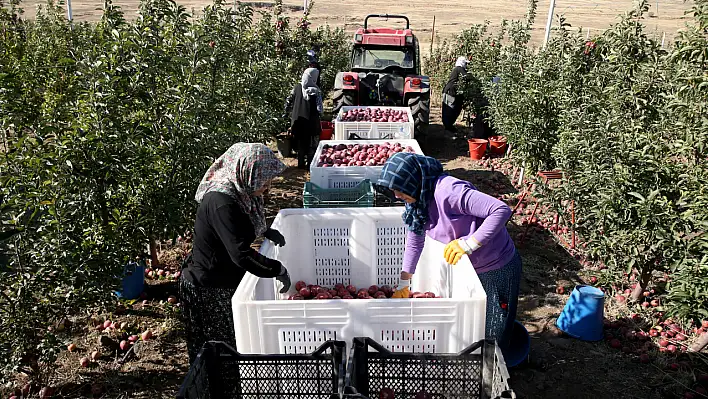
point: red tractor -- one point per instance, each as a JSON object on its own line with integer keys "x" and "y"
{"x": 385, "y": 70}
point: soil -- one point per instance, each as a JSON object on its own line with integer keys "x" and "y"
{"x": 450, "y": 17}
{"x": 558, "y": 366}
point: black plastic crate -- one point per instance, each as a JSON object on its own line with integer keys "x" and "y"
{"x": 465, "y": 375}
{"x": 220, "y": 372}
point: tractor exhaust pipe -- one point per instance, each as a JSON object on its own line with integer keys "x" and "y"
{"x": 366, "y": 20}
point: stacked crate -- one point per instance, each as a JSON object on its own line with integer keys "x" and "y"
{"x": 335, "y": 186}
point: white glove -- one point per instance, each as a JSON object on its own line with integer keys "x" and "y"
{"x": 470, "y": 245}
{"x": 403, "y": 284}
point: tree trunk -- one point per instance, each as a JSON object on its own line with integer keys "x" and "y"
{"x": 642, "y": 283}
{"x": 701, "y": 343}
{"x": 154, "y": 262}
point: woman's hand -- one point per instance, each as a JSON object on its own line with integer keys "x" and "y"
{"x": 275, "y": 236}
{"x": 404, "y": 286}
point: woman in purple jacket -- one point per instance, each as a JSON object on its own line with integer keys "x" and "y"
{"x": 472, "y": 223}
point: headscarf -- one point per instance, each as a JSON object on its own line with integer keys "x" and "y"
{"x": 462, "y": 62}
{"x": 241, "y": 170}
{"x": 311, "y": 56}
{"x": 413, "y": 175}
{"x": 309, "y": 86}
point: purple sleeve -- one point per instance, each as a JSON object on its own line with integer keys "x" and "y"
{"x": 414, "y": 247}
{"x": 468, "y": 201}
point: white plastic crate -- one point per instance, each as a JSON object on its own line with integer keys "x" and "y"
{"x": 350, "y": 176}
{"x": 374, "y": 130}
{"x": 359, "y": 246}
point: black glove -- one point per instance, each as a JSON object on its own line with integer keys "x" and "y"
{"x": 275, "y": 236}
{"x": 284, "y": 279}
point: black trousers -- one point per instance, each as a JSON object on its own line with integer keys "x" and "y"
{"x": 304, "y": 142}
{"x": 450, "y": 114}
{"x": 207, "y": 316}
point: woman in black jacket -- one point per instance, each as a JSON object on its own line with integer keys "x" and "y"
{"x": 305, "y": 101}
{"x": 229, "y": 218}
{"x": 452, "y": 102}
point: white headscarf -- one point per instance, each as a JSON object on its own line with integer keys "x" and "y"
{"x": 241, "y": 170}
{"x": 309, "y": 83}
{"x": 462, "y": 62}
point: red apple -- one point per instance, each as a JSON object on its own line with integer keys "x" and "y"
{"x": 146, "y": 335}
{"x": 84, "y": 362}
{"x": 386, "y": 393}
{"x": 46, "y": 392}
{"x": 71, "y": 347}
{"x": 423, "y": 395}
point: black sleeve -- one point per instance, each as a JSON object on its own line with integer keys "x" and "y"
{"x": 455, "y": 79}
{"x": 236, "y": 232}
{"x": 289, "y": 102}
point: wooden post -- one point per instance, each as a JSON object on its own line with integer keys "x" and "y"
{"x": 587, "y": 37}
{"x": 521, "y": 174}
{"x": 572, "y": 224}
{"x": 663, "y": 38}
{"x": 432, "y": 37}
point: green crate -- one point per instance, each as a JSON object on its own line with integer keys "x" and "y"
{"x": 360, "y": 196}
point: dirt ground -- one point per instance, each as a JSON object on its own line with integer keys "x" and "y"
{"x": 665, "y": 16}
{"x": 558, "y": 366}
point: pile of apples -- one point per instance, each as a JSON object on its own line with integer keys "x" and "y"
{"x": 161, "y": 274}
{"x": 340, "y": 291}
{"x": 359, "y": 154}
{"x": 374, "y": 115}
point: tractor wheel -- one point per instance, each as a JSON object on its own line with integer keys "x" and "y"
{"x": 341, "y": 98}
{"x": 420, "y": 108}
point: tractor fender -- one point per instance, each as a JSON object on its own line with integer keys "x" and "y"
{"x": 341, "y": 84}
{"x": 408, "y": 87}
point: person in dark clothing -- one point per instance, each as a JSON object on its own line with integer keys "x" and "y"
{"x": 312, "y": 62}
{"x": 229, "y": 218}
{"x": 305, "y": 102}
{"x": 452, "y": 101}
